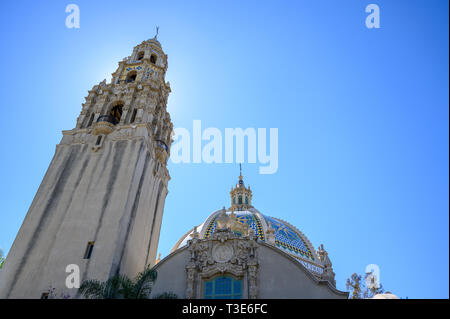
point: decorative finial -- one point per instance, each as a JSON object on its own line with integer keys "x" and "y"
{"x": 195, "y": 233}
{"x": 157, "y": 31}
{"x": 241, "y": 178}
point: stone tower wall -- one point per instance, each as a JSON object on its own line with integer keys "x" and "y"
{"x": 106, "y": 184}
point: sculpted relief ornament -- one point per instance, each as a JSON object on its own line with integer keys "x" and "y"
{"x": 123, "y": 134}
{"x": 223, "y": 253}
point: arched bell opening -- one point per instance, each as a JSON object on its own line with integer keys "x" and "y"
{"x": 116, "y": 113}
{"x": 131, "y": 77}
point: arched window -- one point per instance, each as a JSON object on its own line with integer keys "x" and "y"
{"x": 246, "y": 200}
{"x": 116, "y": 113}
{"x": 140, "y": 56}
{"x": 131, "y": 77}
{"x": 91, "y": 119}
{"x": 223, "y": 287}
{"x": 240, "y": 200}
{"x": 153, "y": 59}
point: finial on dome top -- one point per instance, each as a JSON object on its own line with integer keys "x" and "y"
{"x": 157, "y": 31}
{"x": 241, "y": 178}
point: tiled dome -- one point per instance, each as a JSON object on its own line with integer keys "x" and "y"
{"x": 287, "y": 237}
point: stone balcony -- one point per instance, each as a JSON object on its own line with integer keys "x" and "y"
{"x": 104, "y": 125}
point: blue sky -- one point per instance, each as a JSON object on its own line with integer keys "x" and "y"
{"x": 362, "y": 116}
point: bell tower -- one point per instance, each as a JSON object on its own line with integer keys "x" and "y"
{"x": 101, "y": 201}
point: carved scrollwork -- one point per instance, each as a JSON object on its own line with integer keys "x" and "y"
{"x": 123, "y": 134}
{"x": 120, "y": 90}
{"x": 224, "y": 252}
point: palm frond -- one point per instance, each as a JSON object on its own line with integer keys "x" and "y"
{"x": 92, "y": 289}
{"x": 120, "y": 286}
{"x": 127, "y": 289}
{"x": 143, "y": 283}
{"x": 112, "y": 287}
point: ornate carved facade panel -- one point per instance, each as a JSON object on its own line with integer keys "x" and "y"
{"x": 224, "y": 253}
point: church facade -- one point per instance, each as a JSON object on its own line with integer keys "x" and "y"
{"x": 101, "y": 202}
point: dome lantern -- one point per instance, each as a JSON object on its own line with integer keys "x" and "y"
{"x": 241, "y": 196}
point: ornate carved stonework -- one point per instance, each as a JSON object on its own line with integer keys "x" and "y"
{"x": 123, "y": 134}
{"x": 223, "y": 253}
{"x": 328, "y": 273}
{"x": 120, "y": 90}
{"x": 102, "y": 128}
